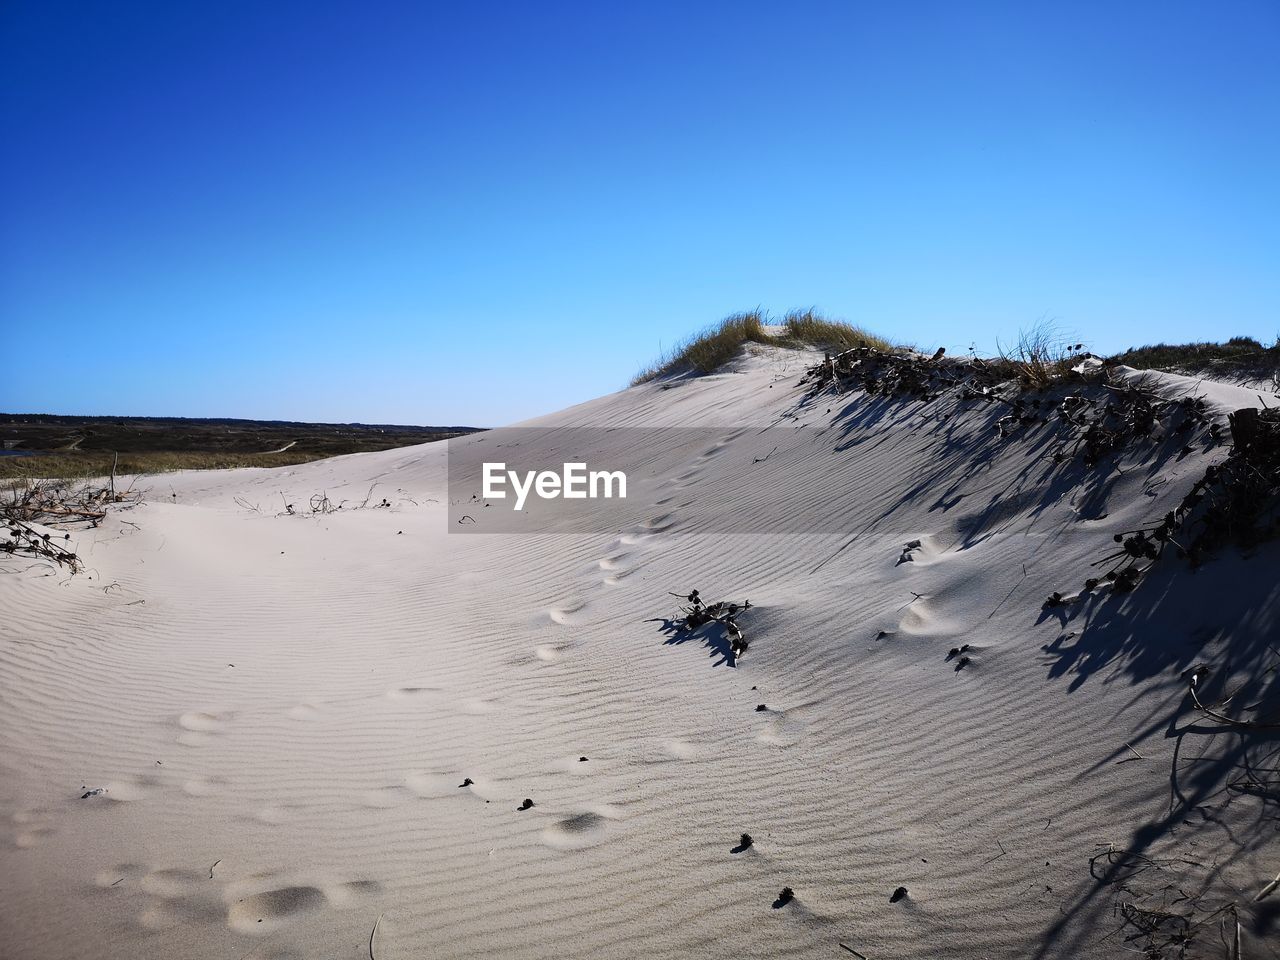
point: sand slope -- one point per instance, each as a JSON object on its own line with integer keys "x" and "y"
{"x": 281, "y": 709}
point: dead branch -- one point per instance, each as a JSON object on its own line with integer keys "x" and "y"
{"x": 58, "y": 505}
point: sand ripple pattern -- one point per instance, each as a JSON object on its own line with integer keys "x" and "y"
{"x": 309, "y": 724}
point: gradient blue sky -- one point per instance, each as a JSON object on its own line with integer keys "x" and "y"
{"x": 471, "y": 213}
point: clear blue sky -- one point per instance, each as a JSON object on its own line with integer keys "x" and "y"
{"x": 471, "y": 213}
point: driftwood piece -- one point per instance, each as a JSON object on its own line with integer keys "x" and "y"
{"x": 1244, "y": 427}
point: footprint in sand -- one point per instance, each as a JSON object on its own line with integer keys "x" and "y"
{"x": 383, "y": 798}
{"x": 647, "y": 531}
{"x": 678, "y": 481}
{"x": 31, "y": 827}
{"x": 412, "y": 693}
{"x": 351, "y": 893}
{"x": 581, "y": 830}
{"x": 550, "y": 652}
{"x": 179, "y": 897}
{"x": 716, "y": 448}
{"x": 615, "y": 570}
{"x": 681, "y": 749}
{"x": 162, "y": 914}
{"x": 780, "y": 730}
{"x": 32, "y": 836}
{"x": 128, "y": 789}
{"x": 271, "y": 909}
{"x": 256, "y": 905}
{"x": 565, "y": 614}
{"x": 263, "y": 904}
{"x": 204, "y": 786}
{"x": 172, "y": 883}
{"x": 119, "y": 876}
{"x": 274, "y": 814}
{"x": 200, "y": 722}
{"x": 433, "y": 785}
{"x": 920, "y": 620}
{"x": 199, "y": 728}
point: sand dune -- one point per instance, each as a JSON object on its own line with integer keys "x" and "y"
{"x": 281, "y": 711}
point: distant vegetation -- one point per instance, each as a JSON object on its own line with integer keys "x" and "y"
{"x": 73, "y": 447}
{"x": 1240, "y": 355}
{"x": 710, "y": 348}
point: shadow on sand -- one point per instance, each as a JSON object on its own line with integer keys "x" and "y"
{"x": 1224, "y": 778}
{"x": 712, "y": 635}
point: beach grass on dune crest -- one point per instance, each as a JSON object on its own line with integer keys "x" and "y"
{"x": 713, "y": 346}
{"x": 1242, "y": 354}
{"x": 1040, "y": 356}
{"x": 710, "y": 347}
{"x": 816, "y": 330}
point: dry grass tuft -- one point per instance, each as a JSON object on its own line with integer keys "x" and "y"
{"x": 819, "y": 331}
{"x": 713, "y": 346}
{"x": 1041, "y": 356}
{"x": 708, "y": 348}
{"x": 1239, "y": 355}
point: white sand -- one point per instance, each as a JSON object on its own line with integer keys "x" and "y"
{"x": 281, "y": 710}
